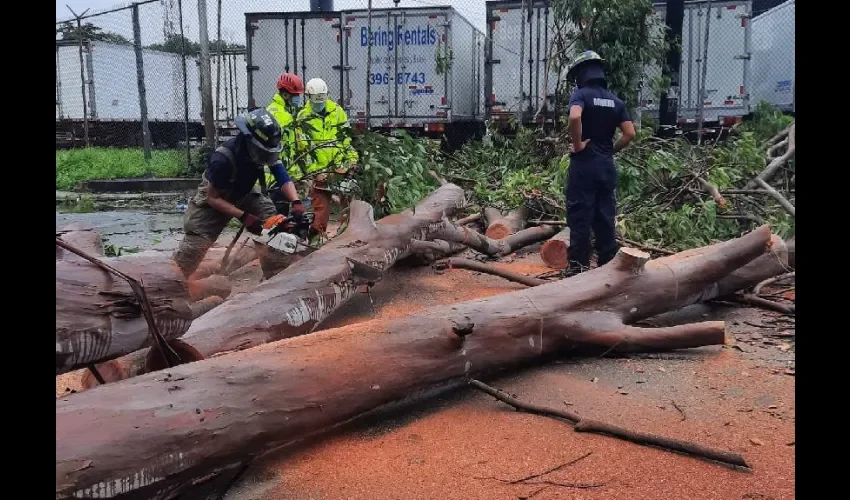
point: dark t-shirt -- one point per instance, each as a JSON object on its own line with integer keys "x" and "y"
{"x": 602, "y": 113}
{"x": 220, "y": 171}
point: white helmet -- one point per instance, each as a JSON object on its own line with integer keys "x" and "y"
{"x": 316, "y": 90}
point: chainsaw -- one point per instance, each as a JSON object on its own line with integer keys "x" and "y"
{"x": 287, "y": 235}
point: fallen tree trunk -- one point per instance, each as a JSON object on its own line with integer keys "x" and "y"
{"x": 98, "y": 317}
{"x": 488, "y": 246}
{"x": 555, "y": 252}
{"x": 79, "y": 236}
{"x": 297, "y": 299}
{"x": 502, "y": 227}
{"x": 158, "y": 434}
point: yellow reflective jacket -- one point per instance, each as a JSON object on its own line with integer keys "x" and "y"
{"x": 330, "y": 145}
{"x": 282, "y": 113}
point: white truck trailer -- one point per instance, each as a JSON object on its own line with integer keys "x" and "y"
{"x": 727, "y": 88}
{"x": 518, "y": 74}
{"x": 425, "y": 74}
{"x": 773, "y": 49}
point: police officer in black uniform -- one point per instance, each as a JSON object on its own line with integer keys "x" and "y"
{"x": 595, "y": 114}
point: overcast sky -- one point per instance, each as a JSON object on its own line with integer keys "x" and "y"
{"x": 152, "y": 16}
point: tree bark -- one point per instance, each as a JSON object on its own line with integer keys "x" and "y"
{"x": 775, "y": 163}
{"x": 555, "y": 252}
{"x": 157, "y": 434}
{"x": 472, "y": 265}
{"x": 296, "y": 300}
{"x": 82, "y": 237}
{"x": 98, "y": 317}
{"x": 502, "y": 227}
{"x": 488, "y": 246}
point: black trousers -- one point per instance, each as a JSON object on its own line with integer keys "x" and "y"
{"x": 280, "y": 202}
{"x": 591, "y": 205}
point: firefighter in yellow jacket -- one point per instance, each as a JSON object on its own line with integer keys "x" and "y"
{"x": 283, "y": 107}
{"x": 327, "y": 148}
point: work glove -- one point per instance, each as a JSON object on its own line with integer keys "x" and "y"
{"x": 252, "y": 223}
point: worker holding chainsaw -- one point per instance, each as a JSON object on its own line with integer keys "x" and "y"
{"x": 228, "y": 190}
{"x": 327, "y": 148}
{"x": 283, "y": 108}
{"x": 591, "y": 191}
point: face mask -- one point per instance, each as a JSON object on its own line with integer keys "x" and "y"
{"x": 319, "y": 106}
{"x": 296, "y": 100}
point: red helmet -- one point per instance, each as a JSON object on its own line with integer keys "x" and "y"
{"x": 291, "y": 83}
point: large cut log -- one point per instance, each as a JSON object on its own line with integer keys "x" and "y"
{"x": 98, "y": 317}
{"x": 157, "y": 434}
{"x": 79, "y": 236}
{"x": 502, "y": 227}
{"x": 556, "y": 251}
{"x": 301, "y": 296}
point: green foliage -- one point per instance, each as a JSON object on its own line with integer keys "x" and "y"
{"x": 767, "y": 121}
{"x": 176, "y": 44}
{"x": 77, "y": 165}
{"x": 394, "y": 171}
{"x": 624, "y": 32}
{"x": 88, "y": 31}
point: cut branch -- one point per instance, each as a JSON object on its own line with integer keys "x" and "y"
{"x": 586, "y": 425}
{"x": 489, "y": 246}
{"x": 556, "y": 251}
{"x": 778, "y": 197}
{"x": 472, "y": 265}
{"x": 713, "y": 191}
{"x": 776, "y": 163}
{"x": 79, "y": 236}
{"x": 224, "y": 410}
{"x": 502, "y": 227}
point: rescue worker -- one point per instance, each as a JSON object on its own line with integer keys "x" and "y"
{"x": 228, "y": 191}
{"x": 283, "y": 108}
{"x": 321, "y": 123}
{"x": 594, "y": 115}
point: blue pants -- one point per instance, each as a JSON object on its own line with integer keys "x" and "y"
{"x": 591, "y": 205}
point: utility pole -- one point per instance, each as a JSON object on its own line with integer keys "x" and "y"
{"x": 669, "y": 102}
{"x": 140, "y": 79}
{"x": 206, "y": 84}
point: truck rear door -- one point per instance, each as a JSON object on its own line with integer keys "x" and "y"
{"x": 423, "y": 66}
{"x": 307, "y": 44}
{"x": 382, "y": 92}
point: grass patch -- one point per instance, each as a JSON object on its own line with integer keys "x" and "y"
{"x": 78, "y": 165}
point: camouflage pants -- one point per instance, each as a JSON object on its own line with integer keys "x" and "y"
{"x": 203, "y": 224}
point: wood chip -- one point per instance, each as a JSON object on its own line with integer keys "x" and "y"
{"x": 661, "y": 369}
{"x": 757, "y": 441}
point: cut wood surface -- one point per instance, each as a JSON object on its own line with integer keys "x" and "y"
{"x": 556, "y": 251}
{"x": 156, "y": 434}
{"x": 98, "y": 317}
{"x": 502, "y": 227}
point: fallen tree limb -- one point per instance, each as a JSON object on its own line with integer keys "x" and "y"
{"x": 713, "y": 191}
{"x": 98, "y": 316}
{"x": 777, "y": 196}
{"x": 587, "y": 425}
{"x": 469, "y": 219}
{"x": 774, "y": 164}
{"x": 770, "y": 281}
{"x": 171, "y": 429}
{"x": 555, "y": 252}
{"x": 502, "y": 227}
{"x": 431, "y": 251}
{"x": 488, "y": 246}
{"x": 757, "y": 301}
{"x": 472, "y": 265}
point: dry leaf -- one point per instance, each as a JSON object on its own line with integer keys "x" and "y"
{"x": 757, "y": 441}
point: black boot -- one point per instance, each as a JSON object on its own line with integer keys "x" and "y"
{"x": 575, "y": 268}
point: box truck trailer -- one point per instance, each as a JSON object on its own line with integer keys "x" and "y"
{"x": 520, "y": 78}
{"x": 725, "y": 53}
{"x": 424, "y": 76}
{"x": 773, "y": 49}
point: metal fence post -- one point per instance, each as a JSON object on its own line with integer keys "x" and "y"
{"x": 219, "y": 50}
{"x": 368, "y": 68}
{"x": 703, "y": 95}
{"x": 206, "y": 84}
{"x": 185, "y": 86}
{"x": 140, "y": 78}
{"x": 82, "y": 74}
